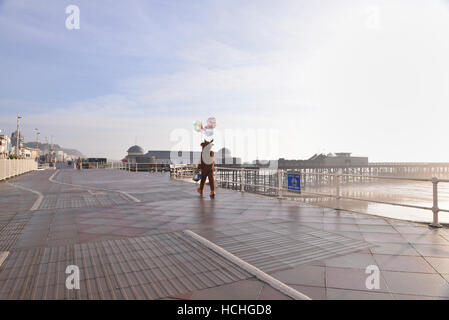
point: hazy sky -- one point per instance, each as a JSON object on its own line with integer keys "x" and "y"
{"x": 368, "y": 77}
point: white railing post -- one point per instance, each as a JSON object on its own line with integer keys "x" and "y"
{"x": 242, "y": 173}
{"x": 338, "y": 190}
{"x": 435, "y": 208}
{"x": 279, "y": 183}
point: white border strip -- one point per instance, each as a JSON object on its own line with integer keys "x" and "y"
{"x": 39, "y": 199}
{"x": 126, "y": 194}
{"x": 259, "y": 274}
{"x": 3, "y": 256}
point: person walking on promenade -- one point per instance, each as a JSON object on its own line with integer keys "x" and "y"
{"x": 207, "y": 166}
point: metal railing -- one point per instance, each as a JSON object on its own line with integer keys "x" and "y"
{"x": 43, "y": 166}
{"x": 434, "y": 208}
{"x": 182, "y": 171}
{"x": 274, "y": 183}
{"x": 13, "y": 167}
{"x": 132, "y": 167}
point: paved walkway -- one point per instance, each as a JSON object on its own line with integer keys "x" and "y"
{"x": 124, "y": 231}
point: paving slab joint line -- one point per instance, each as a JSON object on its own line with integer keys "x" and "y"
{"x": 259, "y": 274}
{"x": 39, "y": 199}
{"x": 126, "y": 194}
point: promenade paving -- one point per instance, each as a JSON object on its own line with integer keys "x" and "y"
{"x": 124, "y": 231}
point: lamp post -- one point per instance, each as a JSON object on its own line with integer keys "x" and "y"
{"x": 52, "y": 152}
{"x": 37, "y": 141}
{"x": 17, "y": 138}
{"x": 47, "y": 151}
{"x": 2, "y": 154}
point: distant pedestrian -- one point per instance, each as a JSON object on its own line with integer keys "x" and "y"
{"x": 207, "y": 167}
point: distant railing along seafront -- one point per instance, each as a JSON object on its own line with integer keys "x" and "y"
{"x": 13, "y": 167}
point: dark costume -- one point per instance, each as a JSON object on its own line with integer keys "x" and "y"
{"x": 207, "y": 169}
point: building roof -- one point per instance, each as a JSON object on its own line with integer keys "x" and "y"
{"x": 224, "y": 152}
{"x": 135, "y": 149}
{"x": 163, "y": 154}
{"x": 343, "y": 154}
{"x": 158, "y": 154}
{"x": 317, "y": 157}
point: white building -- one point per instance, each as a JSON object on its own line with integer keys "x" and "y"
{"x": 61, "y": 156}
{"x": 29, "y": 153}
{"x": 136, "y": 154}
{"x": 5, "y": 146}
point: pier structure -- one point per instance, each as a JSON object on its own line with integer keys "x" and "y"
{"x": 394, "y": 169}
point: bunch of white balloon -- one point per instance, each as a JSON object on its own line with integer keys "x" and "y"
{"x": 208, "y": 129}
